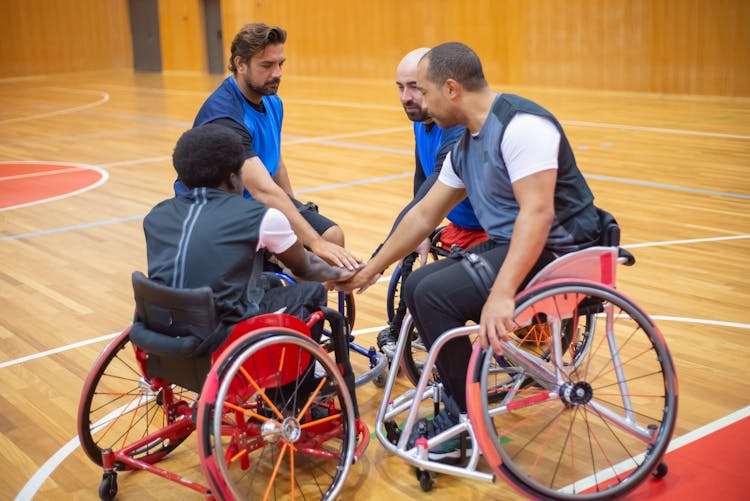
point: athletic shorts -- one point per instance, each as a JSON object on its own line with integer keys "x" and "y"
{"x": 309, "y": 211}
{"x": 462, "y": 237}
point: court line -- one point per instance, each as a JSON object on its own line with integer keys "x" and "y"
{"x": 36, "y": 481}
{"x": 37, "y": 174}
{"x": 104, "y": 98}
{"x": 665, "y": 186}
{"x": 348, "y": 104}
{"x": 102, "y": 180}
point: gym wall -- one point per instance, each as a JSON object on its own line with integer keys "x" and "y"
{"x": 663, "y": 46}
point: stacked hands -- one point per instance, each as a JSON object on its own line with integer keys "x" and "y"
{"x": 497, "y": 314}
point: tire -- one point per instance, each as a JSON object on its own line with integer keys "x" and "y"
{"x": 119, "y": 406}
{"x": 593, "y": 421}
{"x": 261, "y": 402}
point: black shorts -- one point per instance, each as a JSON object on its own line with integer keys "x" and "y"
{"x": 309, "y": 211}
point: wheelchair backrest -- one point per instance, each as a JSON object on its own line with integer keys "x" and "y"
{"x": 179, "y": 320}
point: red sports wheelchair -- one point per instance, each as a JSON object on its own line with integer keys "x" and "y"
{"x": 277, "y": 416}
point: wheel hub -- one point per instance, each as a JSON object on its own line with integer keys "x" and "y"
{"x": 579, "y": 393}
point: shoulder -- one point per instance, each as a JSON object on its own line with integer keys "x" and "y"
{"x": 224, "y": 102}
{"x": 451, "y": 135}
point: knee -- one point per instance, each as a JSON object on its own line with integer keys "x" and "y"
{"x": 415, "y": 288}
{"x": 334, "y": 234}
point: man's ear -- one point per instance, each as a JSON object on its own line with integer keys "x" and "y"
{"x": 238, "y": 61}
{"x": 452, "y": 88}
{"x": 235, "y": 182}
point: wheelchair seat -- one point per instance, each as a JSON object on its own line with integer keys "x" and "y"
{"x": 176, "y": 329}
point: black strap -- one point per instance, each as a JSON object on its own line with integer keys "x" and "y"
{"x": 478, "y": 269}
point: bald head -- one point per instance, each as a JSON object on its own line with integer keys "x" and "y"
{"x": 406, "y": 81}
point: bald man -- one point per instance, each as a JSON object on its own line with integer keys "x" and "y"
{"x": 432, "y": 145}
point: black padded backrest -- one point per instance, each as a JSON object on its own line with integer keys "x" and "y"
{"x": 174, "y": 312}
{"x": 610, "y": 230}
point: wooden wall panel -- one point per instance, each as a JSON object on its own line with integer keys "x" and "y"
{"x": 664, "y": 46}
{"x": 57, "y": 36}
{"x": 672, "y": 46}
{"x": 183, "y": 35}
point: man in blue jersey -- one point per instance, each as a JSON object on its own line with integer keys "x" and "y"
{"x": 517, "y": 167}
{"x": 246, "y": 102}
{"x": 431, "y": 145}
{"x": 212, "y": 236}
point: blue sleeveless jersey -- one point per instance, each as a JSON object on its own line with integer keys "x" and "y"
{"x": 265, "y": 128}
{"x": 429, "y": 144}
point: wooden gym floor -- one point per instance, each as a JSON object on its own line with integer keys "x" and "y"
{"x": 673, "y": 169}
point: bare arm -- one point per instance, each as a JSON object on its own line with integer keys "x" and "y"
{"x": 416, "y": 225}
{"x": 535, "y": 195}
{"x": 308, "y": 266}
{"x": 282, "y": 178}
{"x": 262, "y": 187}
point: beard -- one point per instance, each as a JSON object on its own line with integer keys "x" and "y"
{"x": 269, "y": 87}
{"x": 416, "y": 114}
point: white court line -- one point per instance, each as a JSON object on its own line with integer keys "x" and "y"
{"x": 104, "y": 98}
{"x": 37, "y": 174}
{"x": 102, "y": 180}
{"x": 681, "y": 242}
{"x": 33, "y": 485}
{"x": 346, "y": 104}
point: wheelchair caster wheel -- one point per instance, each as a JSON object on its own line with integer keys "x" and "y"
{"x": 392, "y": 432}
{"x": 379, "y": 381}
{"x": 661, "y": 470}
{"x": 426, "y": 480}
{"x": 108, "y": 487}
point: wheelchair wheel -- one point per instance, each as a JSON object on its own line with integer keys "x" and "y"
{"x": 415, "y": 353}
{"x": 119, "y": 406}
{"x": 276, "y": 420}
{"x": 588, "y": 422}
{"x": 392, "y": 295}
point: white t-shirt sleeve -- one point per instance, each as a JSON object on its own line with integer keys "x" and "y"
{"x": 276, "y": 233}
{"x": 448, "y": 175}
{"x": 530, "y": 145}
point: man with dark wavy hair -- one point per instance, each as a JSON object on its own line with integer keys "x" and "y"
{"x": 213, "y": 236}
{"x": 247, "y": 103}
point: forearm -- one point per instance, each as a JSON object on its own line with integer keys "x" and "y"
{"x": 317, "y": 270}
{"x": 415, "y": 226}
{"x": 278, "y": 199}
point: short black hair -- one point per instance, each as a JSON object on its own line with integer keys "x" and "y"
{"x": 207, "y": 155}
{"x": 456, "y": 61}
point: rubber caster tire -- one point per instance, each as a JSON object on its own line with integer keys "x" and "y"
{"x": 426, "y": 480}
{"x": 661, "y": 470}
{"x": 108, "y": 487}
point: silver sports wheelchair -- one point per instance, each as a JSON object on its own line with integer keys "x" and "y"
{"x": 276, "y": 415}
{"x": 580, "y": 405}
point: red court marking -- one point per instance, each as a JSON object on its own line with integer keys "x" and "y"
{"x": 714, "y": 467}
{"x": 35, "y": 182}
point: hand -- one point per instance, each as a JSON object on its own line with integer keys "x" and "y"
{"x": 423, "y": 249}
{"x": 496, "y": 321}
{"x": 359, "y": 280}
{"x": 342, "y": 275}
{"x": 334, "y": 254}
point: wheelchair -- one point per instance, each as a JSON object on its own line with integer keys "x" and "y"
{"x": 580, "y": 405}
{"x": 415, "y": 353}
{"x": 377, "y": 363}
{"x": 275, "y": 413}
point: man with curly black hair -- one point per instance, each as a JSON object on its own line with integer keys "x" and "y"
{"x": 213, "y": 236}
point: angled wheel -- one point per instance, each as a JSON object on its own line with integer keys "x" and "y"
{"x": 119, "y": 407}
{"x": 590, "y": 422}
{"x": 415, "y": 352}
{"x": 276, "y": 420}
